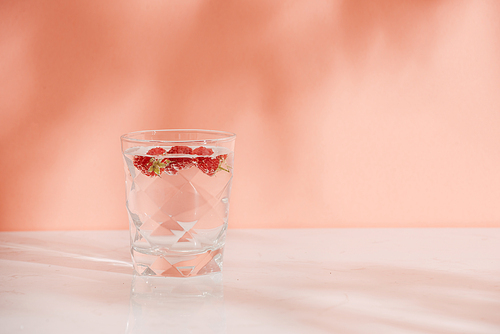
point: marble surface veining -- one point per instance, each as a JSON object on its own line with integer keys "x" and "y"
{"x": 274, "y": 281}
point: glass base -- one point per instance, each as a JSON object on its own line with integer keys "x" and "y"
{"x": 176, "y": 264}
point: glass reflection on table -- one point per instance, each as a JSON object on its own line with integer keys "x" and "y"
{"x": 177, "y": 305}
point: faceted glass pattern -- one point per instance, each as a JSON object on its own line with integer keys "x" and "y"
{"x": 177, "y": 222}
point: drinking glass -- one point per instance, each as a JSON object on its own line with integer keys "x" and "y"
{"x": 178, "y": 185}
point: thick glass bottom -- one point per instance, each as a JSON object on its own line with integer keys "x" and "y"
{"x": 176, "y": 264}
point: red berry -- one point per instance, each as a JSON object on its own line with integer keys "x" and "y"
{"x": 207, "y": 165}
{"x": 203, "y": 151}
{"x": 156, "y": 151}
{"x": 151, "y": 166}
{"x": 172, "y": 166}
{"x": 177, "y": 164}
{"x": 180, "y": 150}
{"x": 141, "y": 163}
{"x": 210, "y": 166}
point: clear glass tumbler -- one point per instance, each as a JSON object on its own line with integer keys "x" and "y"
{"x": 178, "y": 185}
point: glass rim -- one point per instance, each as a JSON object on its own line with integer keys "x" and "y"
{"x": 225, "y": 136}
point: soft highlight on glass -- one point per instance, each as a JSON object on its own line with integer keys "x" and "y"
{"x": 178, "y": 185}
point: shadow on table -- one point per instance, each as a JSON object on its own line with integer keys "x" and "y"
{"x": 177, "y": 305}
{"x": 362, "y": 298}
{"x": 81, "y": 268}
{"x": 103, "y": 251}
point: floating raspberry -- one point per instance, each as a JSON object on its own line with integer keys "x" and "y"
{"x": 207, "y": 165}
{"x": 210, "y": 166}
{"x": 170, "y": 168}
{"x": 203, "y": 151}
{"x": 180, "y": 150}
{"x": 150, "y": 166}
{"x": 141, "y": 163}
{"x": 177, "y": 164}
{"x": 156, "y": 151}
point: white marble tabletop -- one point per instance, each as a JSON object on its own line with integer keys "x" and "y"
{"x": 274, "y": 281}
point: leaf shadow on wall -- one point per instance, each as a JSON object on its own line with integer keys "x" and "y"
{"x": 267, "y": 58}
{"x": 62, "y": 60}
{"x": 202, "y": 66}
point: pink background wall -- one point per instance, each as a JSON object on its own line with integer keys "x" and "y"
{"x": 348, "y": 113}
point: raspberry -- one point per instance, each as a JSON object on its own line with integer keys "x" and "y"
{"x": 150, "y": 166}
{"x": 156, "y": 151}
{"x": 203, "y": 151}
{"x": 180, "y": 150}
{"x": 210, "y": 166}
{"x": 177, "y": 164}
{"x": 207, "y": 165}
{"x": 141, "y": 163}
